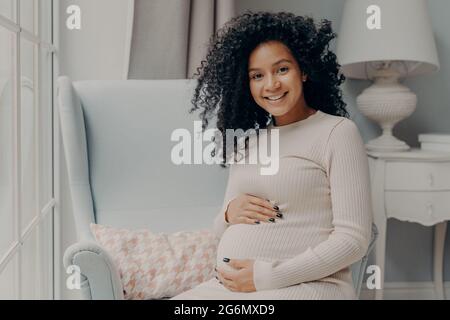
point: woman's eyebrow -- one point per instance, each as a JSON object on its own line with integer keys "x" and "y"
{"x": 276, "y": 63}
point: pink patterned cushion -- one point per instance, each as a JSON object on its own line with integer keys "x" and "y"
{"x": 155, "y": 266}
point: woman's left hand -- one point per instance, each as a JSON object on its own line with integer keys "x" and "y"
{"x": 241, "y": 278}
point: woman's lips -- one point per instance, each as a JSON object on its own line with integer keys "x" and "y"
{"x": 277, "y": 101}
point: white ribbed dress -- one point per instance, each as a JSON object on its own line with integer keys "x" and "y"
{"x": 322, "y": 189}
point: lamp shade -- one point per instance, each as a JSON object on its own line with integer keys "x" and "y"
{"x": 405, "y": 37}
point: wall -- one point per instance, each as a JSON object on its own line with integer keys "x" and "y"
{"x": 97, "y": 50}
{"x": 409, "y": 245}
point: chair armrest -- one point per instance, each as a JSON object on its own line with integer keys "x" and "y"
{"x": 359, "y": 267}
{"x": 100, "y": 279}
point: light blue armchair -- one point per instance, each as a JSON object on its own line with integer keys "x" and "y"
{"x": 116, "y": 137}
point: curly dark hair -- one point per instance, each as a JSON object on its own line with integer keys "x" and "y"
{"x": 223, "y": 88}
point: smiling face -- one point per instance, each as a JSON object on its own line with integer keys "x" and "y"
{"x": 276, "y": 82}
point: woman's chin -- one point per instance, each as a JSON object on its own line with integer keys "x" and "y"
{"x": 276, "y": 111}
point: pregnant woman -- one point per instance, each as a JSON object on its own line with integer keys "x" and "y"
{"x": 293, "y": 234}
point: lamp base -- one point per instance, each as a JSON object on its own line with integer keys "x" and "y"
{"x": 387, "y": 143}
{"x": 387, "y": 102}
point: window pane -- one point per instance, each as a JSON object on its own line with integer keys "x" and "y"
{"x": 8, "y": 278}
{"x": 45, "y": 129}
{"x": 6, "y": 135}
{"x": 27, "y": 11}
{"x": 28, "y": 113}
{"x": 29, "y": 267}
{"x": 7, "y": 9}
{"x": 46, "y": 258}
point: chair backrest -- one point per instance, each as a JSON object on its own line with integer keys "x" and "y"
{"x": 117, "y": 140}
{"x": 117, "y": 143}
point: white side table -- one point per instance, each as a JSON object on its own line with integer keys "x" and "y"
{"x": 411, "y": 186}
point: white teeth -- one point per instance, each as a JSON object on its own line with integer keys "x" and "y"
{"x": 273, "y": 98}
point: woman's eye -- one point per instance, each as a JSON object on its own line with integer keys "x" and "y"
{"x": 256, "y": 76}
{"x": 283, "y": 70}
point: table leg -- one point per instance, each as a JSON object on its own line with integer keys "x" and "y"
{"x": 380, "y": 253}
{"x": 380, "y": 219}
{"x": 438, "y": 257}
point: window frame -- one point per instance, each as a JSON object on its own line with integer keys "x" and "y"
{"x": 47, "y": 286}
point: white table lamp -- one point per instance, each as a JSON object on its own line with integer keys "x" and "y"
{"x": 385, "y": 40}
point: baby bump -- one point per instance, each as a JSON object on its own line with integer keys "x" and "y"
{"x": 267, "y": 241}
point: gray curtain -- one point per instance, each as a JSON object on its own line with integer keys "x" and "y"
{"x": 170, "y": 37}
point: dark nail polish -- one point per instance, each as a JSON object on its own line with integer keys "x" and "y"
{"x": 257, "y": 222}
{"x": 279, "y": 215}
{"x": 226, "y": 260}
{"x": 215, "y": 269}
{"x": 272, "y": 219}
{"x": 276, "y": 208}
{"x": 217, "y": 277}
{"x": 220, "y": 282}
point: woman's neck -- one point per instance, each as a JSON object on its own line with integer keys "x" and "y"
{"x": 297, "y": 114}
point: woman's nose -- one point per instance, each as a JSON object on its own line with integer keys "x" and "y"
{"x": 272, "y": 83}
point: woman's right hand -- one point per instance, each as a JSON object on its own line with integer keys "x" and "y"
{"x": 249, "y": 209}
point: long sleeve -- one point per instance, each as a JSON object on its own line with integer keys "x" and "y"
{"x": 348, "y": 175}
{"x": 220, "y": 224}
